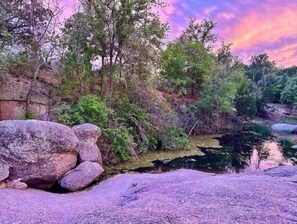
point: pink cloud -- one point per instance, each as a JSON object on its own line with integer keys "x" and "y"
{"x": 265, "y": 28}
{"x": 209, "y": 10}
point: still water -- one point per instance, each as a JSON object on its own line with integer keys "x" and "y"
{"x": 245, "y": 152}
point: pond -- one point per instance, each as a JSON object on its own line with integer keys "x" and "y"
{"x": 245, "y": 152}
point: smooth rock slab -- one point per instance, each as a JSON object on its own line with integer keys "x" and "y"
{"x": 38, "y": 152}
{"x": 283, "y": 127}
{"x": 179, "y": 197}
{"x": 81, "y": 176}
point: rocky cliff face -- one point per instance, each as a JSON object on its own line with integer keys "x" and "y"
{"x": 14, "y": 88}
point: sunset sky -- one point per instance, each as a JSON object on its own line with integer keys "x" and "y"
{"x": 253, "y": 26}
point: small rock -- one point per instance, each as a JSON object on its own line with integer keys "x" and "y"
{"x": 89, "y": 152}
{"x": 81, "y": 176}
{"x": 294, "y": 147}
{"x": 2, "y": 184}
{"x": 4, "y": 171}
{"x": 87, "y": 132}
{"x": 284, "y": 127}
{"x": 17, "y": 184}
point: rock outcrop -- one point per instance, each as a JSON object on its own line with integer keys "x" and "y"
{"x": 179, "y": 197}
{"x": 81, "y": 176}
{"x": 90, "y": 160}
{"x": 14, "y": 89}
{"x": 37, "y": 152}
{"x": 88, "y": 135}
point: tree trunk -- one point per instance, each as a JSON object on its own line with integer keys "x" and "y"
{"x": 35, "y": 73}
{"x": 102, "y": 75}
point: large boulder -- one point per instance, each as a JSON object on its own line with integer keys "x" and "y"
{"x": 37, "y": 152}
{"x": 81, "y": 176}
{"x": 284, "y": 127}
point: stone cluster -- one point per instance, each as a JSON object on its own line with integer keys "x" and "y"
{"x": 40, "y": 153}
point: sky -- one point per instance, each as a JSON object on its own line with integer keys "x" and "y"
{"x": 252, "y": 26}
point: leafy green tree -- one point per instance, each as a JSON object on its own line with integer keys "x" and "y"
{"x": 202, "y": 32}
{"x": 118, "y": 21}
{"x": 260, "y": 66}
{"x": 29, "y": 28}
{"x": 76, "y": 60}
{"x": 289, "y": 93}
{"x": 224, "y": 82}
{"x": 186, "y": 66}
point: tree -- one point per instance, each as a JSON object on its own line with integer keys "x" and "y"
{"x": 117, "y": 22}
{"x": 200, "y": 32}
{"x": 76, "y": 62}
{"x": 186, "y": 66}
{"x": 259, "y": 67}
{"x": 289, "y": 93}
{"x": 224, "y": 83}
{"x": 31, "y": 28}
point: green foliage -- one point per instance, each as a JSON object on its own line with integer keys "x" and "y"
{"x": 11, "y": 60}
{"x": 154, "y": 141}
{"x": 30, "y": 115}
{"x": 121, "y": 141}
{"x": 92, "y": 109}
{"x": 289, "y": 93}
{"x": 273, "y": 89}
{"x": 246, "y": 106}
{"x": 186, "y": 65}
{"x": 64, "y": 113}
{"x": 261, "y": 129}
{"x": 221, "y": 88}
{"x": 286, "y": 144}
{"x": 173, "y": 139}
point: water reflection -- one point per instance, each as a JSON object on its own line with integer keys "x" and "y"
{"x": 243, "y": 152}
{"x": 269, "y": 155}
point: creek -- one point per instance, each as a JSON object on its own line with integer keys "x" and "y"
{"x": 244, "y": 152}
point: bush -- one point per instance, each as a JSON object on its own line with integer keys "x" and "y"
{"x": 173, "y": 138}
{"x": 121, "y": 142}
{"x": 289, "y": 93}
{"x": 286, "y": 144}
{"x": 246, "y": 106}
{"x": 64, "y": 114}
{"x": 261, "y": 129}
{"x": 92, "y": 109}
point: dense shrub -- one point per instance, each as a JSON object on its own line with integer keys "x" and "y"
{"x": 289, "y": 93}
{"x": 261, "y": 129}
{"x": 286, "y": 144}
{"x": 92, "y": 109}
{"x": 121, "y": 142}
{"x": 173, "y": 138}
{"x": 246, "y": 106}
